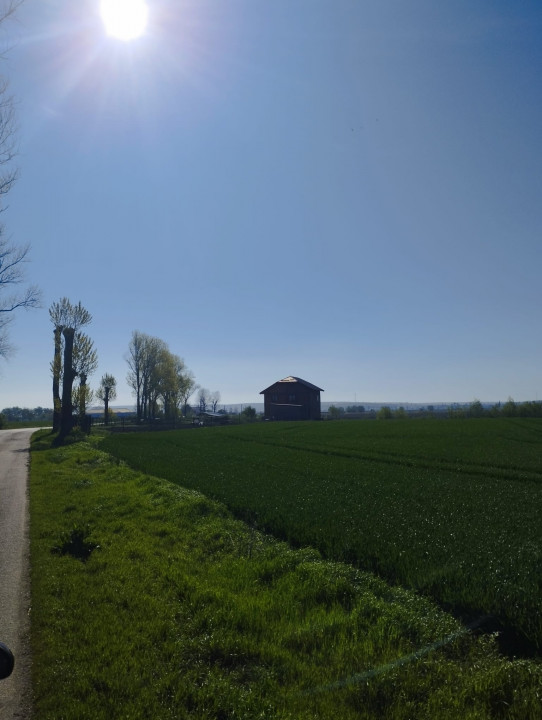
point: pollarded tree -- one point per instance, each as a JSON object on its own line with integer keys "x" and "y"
{"x": 67, "y": 319}
{"x": 107, "y": 392}
{"x": 82, "y": 396}
{"x": 58, "y": 315}
{"x": 85, "y": 362}
{"x": 77, "y": 318}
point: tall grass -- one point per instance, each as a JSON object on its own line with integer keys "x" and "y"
{"x": 451, "y": 509}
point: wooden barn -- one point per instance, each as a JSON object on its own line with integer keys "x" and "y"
{"x": 292, "y": 399}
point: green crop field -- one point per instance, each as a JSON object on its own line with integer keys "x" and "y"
{"x": 448, "y": 508}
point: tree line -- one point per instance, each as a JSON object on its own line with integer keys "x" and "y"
{"x": 159, "y": 379}
{"x": 530, "y": 408}
{"x": 18, "y": 414}
{"x": 475, "y": 409}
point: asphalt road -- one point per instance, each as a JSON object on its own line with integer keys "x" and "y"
{"x": 15, "y": 691}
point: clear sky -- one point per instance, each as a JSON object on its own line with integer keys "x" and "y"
{"x": 349, "y": 191}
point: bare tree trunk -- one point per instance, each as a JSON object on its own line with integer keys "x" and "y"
{"x": 57, "y": 364}
{"x": 67, "y": 382}
{"x": 83, "y": 398}
{"x": 106, "y": 407}
{"x": 138, "y": 406}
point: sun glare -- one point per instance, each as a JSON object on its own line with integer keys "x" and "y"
{"x": 124, "y": 19}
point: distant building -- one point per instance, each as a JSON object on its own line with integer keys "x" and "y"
{"x": 292, "y": 399}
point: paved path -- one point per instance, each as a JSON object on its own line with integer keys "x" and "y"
{"x": 14, "y": 571}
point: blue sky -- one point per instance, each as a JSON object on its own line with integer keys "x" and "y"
{"x": 345, "y": 191}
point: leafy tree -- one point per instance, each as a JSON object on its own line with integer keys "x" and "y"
{"x": 12, "y": 257}
{"x": 67, "y": 320}
{"x": 156, "y": 377}
{"x": 494, "y": 410}
{"x": 167, "y": 382}
{"x": 135, "y": 360}
{"x": 476, "y": 409}
{"x": 16, "y": 414}
{"x": 384, "y": 413}
{"x": 249, "y": 413}
{"x": 509, "y": 409}
{"x": 141, "y": 359}
{"x": 152, "y": 378}
{"x": 531, "y": 409}
{"x": 106, "y": 392}
{"x": 171, "y": 373}
{"x": 335, "y": 412}
{"x": 82, "y": 397}
{"x": 456, "y": 412}
{"x": 85, "y": 363}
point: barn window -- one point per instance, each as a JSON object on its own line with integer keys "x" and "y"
{"x": 274, "y": 397}
{"x": 291, "y": 397}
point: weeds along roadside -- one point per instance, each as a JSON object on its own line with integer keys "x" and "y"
{"x": 151, "y": 600}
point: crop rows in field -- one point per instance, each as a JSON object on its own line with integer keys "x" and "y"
{"x": 451, "y": 509}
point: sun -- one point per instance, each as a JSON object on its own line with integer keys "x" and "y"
{"x": 124, "y": 19}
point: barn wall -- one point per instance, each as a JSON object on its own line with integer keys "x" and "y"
{"x": 290, "y": 401}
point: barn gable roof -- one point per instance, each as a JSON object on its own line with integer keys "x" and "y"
{"x": 293, "y": 379}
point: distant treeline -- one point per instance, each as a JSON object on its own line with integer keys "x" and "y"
{"x": 17, "y": 414}
{"x": 510, "y": 408}
{"x": 476, "y": 408}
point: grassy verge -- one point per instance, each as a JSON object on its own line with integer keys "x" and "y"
{"x": 150, "y": 600}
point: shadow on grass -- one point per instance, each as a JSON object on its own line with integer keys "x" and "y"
{"x": 76, "y": 544}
